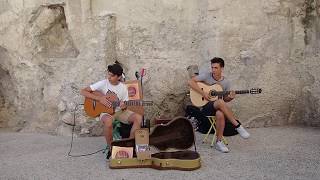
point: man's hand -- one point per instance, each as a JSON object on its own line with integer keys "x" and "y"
{"x": 103, "y": 100}
{"x": 123, "y": 105}
{"x": 206, "y": 96}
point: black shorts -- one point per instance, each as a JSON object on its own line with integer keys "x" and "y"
{"x": 208, "y": 109}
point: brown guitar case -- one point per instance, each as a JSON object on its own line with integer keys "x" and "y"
{"x": 178, "y": 134}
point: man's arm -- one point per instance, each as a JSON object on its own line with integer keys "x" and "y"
{"x": 193, "y": 84}
{"x": 87, "y": 92}
{"x": 229, "y": 97}
{"x": 123, "y": 106}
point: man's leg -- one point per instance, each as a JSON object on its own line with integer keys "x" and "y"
{"x": 107, "y": 121}
{"x": 222, "y": 106}
{"x": 220, "y": 123}
{"x": 136, "y": 120}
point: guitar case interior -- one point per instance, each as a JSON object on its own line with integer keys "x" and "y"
{"x": 178, "y": 134}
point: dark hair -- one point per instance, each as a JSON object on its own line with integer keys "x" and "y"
{"x": 217, "y": 60}
{"x": 115, "y": 69}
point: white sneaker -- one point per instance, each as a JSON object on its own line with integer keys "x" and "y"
{"x": 220, "y": 146}
{"x": 242, "y": 132}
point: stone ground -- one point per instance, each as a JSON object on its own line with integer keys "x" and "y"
{"x": 288, "y": 152}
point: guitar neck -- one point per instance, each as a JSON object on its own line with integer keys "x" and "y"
{"x": 131, "y": 103}
{"x": 241, "y": 92}
{"x": 222, "y": 93}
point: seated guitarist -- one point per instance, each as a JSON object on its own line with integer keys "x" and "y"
{"x": 219, "y": 107}
{"x": 113, "y": 84}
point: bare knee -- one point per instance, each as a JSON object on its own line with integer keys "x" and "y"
{"x": 220, "y": 116}
{"x": 136, "y": 119}
{"x": 107, "y": 121}
{"x": 218, "y": 104}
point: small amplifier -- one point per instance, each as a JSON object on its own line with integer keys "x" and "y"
{"x": 162, "y": 120}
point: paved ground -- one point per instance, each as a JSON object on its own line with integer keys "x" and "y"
{"x": 271, "y": 153}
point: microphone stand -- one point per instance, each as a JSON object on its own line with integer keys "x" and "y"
{"x": 142, "y": 73}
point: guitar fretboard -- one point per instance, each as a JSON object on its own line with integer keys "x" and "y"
{"x": 133, "y": 103}
{"x": 241, "y": 92}
{"x": 222, "y": 93}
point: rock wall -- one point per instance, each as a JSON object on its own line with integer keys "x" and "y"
{"x": 307, "y": 105}
{"x": 49, "y": 50}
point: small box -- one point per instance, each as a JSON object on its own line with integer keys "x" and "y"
{"x": 142, "y": 144}
{"x": 121, "y": 152}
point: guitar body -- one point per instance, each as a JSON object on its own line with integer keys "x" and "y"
{"x": 198, "y": 100}
{"x": 94, "y": 108}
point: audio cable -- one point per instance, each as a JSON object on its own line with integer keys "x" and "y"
{"x": 73, "y": 129}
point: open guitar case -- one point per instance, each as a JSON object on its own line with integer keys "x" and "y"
{"x": 177, "y": 136}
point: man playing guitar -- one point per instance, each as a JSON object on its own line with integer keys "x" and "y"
{"x": 113, "y": 84}
{"x": 219, "y": 106}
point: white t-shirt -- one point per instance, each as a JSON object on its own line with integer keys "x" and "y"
{"x": 104, "y": 86}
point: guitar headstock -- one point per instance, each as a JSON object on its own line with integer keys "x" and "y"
{"x": 255, "y": 90}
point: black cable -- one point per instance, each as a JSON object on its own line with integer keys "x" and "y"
{"x": 73, "y": 128}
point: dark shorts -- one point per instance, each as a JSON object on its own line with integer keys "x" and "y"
{"x": 208, "y": 109}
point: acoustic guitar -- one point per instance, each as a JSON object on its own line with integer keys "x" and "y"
{"x": 94, "y": 108}
{"x": 215, "y": 91}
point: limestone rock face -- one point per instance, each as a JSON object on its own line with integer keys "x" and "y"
{"x": 49, "y": 50}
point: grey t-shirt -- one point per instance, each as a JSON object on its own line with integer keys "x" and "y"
{"x": 208, "y": 79}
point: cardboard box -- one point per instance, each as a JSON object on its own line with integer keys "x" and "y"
{"x": 142, "y": 144}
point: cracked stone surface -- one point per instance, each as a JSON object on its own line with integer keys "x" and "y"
{"x": 49, "y": 50}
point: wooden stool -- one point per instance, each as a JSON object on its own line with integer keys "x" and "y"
{"x": 212, "y": 121}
